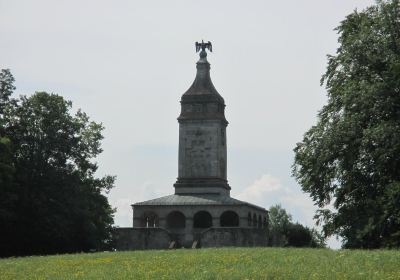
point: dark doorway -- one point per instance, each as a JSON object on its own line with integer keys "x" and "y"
{"x": 229, "y": 219}
{"x": 176, "y": 219}
{"x": 202, "y": 219}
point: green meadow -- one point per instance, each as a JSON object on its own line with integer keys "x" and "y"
{"x": 225, "y": 263}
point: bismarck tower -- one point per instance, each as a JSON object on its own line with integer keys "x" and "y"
{"x": 202, "y": 135}
{"x": 201, "y": 212}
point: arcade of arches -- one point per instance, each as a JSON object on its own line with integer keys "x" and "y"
{"x": 260, "y": 222}
{"x": 203, "y": 219}
{"x": 150, "y": 219}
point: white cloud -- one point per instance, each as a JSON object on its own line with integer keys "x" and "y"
{"x": 268, "y": 190}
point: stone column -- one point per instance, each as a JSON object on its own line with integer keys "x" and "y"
{"x": 189, "y": 231}
{"x": 215, "y": 221}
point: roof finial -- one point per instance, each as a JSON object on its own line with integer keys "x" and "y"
{"x": 203, "y": 46}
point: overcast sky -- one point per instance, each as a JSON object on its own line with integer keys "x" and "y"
{"x": 127, "y": 63}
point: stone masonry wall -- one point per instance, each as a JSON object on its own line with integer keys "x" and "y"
{"x": 141, "y": 238}
{"x": 159, "y": 238}
{"x": 233, "y": 237}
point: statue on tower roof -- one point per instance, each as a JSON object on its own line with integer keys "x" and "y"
{"x": 203, "y": 46}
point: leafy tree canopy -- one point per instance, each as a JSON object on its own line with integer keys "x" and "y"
{"x": 55, "y": 203}
{"x": 350, "y": 158}
{"x": 6, "y": 87}
{"x": 283, "y": 232}
{"x": 279, "y": 219}
{"x": 6, "y": 166}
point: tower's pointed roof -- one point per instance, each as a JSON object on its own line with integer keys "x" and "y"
{"x": 202, "y": 85}
{"x": 202, "y": 101}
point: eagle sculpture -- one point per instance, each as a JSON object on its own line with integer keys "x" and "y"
{"x": 203, "y": 46}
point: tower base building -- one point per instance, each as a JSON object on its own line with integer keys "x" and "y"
{"x": 201, "y": 212}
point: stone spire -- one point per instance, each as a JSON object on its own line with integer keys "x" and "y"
{"x": 202, "y": 90}
{"x": 202, "y": 83}
{"x": 202, "y": 135}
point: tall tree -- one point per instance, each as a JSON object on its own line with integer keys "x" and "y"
{"x": 279, "y": 221}
{"x": 283, "y": 232}
{"x": 55, "y": 203}
{"x": 350, "y": 158}
{"x": 7, "y": 171}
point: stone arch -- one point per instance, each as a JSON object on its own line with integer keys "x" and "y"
{"x": 259, "y": 221}
{"x": 202, "y": 219}
{"x": 229, "y": 219}
{"x": 254, "y": 220}
{"x": 249, "y": 219}
{"x": 176, "y": 219}
{"x": 149, "y": 219}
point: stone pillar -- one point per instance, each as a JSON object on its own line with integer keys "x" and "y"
{"x": 215, "y": 221}
{"x": 189, "y": 231}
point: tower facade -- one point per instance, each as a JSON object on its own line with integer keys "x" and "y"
{"x": 202, "y": 137}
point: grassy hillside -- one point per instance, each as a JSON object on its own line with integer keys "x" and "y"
{"x": 227, "y": 263}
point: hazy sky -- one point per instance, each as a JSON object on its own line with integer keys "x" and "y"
{"x": 127, "y": 63}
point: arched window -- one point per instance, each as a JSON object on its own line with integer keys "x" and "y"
{"x": 229, "y": 219}
{"x": 254, "y": 220}
{"x": 149, "y": 219}
{"x": 176, "y": 219}
{"x": 249, "y": 219}
{"x": 202, "y": 219}
{"x": 259, "y": 221}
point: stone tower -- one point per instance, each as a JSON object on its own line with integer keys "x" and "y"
{"x": 201, "y": 212}
{"x": 202, "y": 137}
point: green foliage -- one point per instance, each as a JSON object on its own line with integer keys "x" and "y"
{"x": 225, "y": 263}
{"x": 350, "y": 158}
{"x": 301, "y": 236}
{"x": 7, "y": 171}
{"x": 53, "y": 203}
{"x": 279, "y": 221}
{"x": 283, "y": 232}
{"x": 6, "y": 87}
